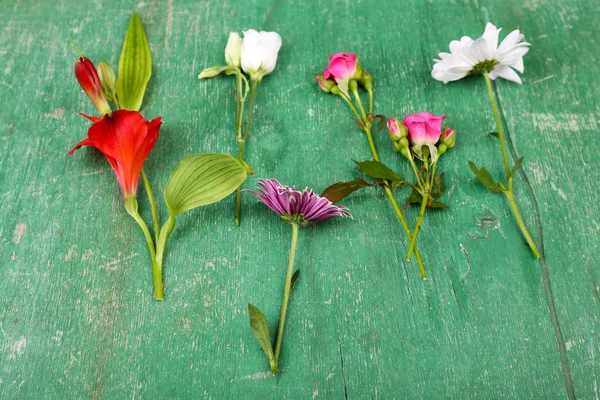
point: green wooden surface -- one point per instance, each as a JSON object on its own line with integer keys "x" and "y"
{"x": 77, "y": 318}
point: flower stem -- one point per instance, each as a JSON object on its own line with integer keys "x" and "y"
{"x": 515, "y": 209}
{"x": 397, "y": 209}
{"x": 509, "y": 190}
{"x": 362, "y": 109}
{"x": 347, "y": 100}
{"x": 131, "y": 205}
{"x": 152, "y": 205}
{"x": 488, "y": 83}
{"x": 413, "y": 241}
{"x": 286, "y": 296}
{"x": 241, "y": 139}
{"x": 161, "y": 244}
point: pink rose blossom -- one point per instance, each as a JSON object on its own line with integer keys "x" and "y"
{"x": 392, "y": 124}
{"x": 341, "y": 66}
{"x": 424, "y": 128}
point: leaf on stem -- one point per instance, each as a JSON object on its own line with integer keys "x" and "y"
{"x": 377, "y": 170}
{"x": 135, "y": 66}
{"x": 340, "y": 190}
{"x": 205, "y": 178}
{"x": 439, "y": 186}
{"x": 495, "y": 134}
{"x": 260, "y": 329}
{"x": 485, "y": 178}
{"x": 415, "y": 198}
{"x": 517, "y": 166}
{"x": 294, "y": 279}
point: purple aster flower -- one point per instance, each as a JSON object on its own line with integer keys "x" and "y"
{"x": 305, "y": 207}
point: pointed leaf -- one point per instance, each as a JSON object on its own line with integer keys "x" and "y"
{"x": 436, "y": 204}
{"x": 294, "y": 279}
{"x": 415, "y": 197}
{"x": 377, "y": 170}
{"x": 495, "y": 134}
{"x": 202, "y": 179}
{"x": 260, "y": 329}
{"x": 340, "y": 190}
{"x": 485, "y": 178}
{"x": 517, "y": 166}
{"x": 439, "y": 186}
{"x": 135, "y": 66}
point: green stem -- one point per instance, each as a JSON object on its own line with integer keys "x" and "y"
{"x": 509, "y": 190}
{"x": 286, "y": 296}
{"x": 161, "y": 244}
{"x": 515, "y": 209}
{"x": 354, "y": 110}
{"x": 238, "y": 192}
{"x": 250, "y": 107}
{"x": 371, "y": 101}
{"x": 416, "y": 171}
{"x": 152, "y": 205}
{"x": 362, "y": 109}
{"x": 131, "y": 205}
{"x": 397, "y": 209}
{"x": 240, "y": 100}
{"x": 413, "y": 241}
{"x": 488, "y": 83}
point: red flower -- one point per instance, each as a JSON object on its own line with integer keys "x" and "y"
{"x": 88, "y": 78}
{"x": 126, "y": 140}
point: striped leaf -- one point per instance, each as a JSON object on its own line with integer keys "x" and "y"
{"x": 135, "y": 66}
{"x": 202, "y": 179}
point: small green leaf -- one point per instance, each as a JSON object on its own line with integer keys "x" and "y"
{"x": 495, "y": 134}
{"x": 340, "y": 190}
{"x": 135, "y": 66}
{"x": 215, "y": 71}
{"x": 377, "y": 170}
{"x": 436, "y": 204}
{"x": 485, "y": 178}
{"x": 439, "y": 186}
{"x": 415, "y": 197}
{"x": 517, "y": 166}
{"x": 260, "y": 329}
{"x": 205, "y": 178}
{"x": 294, "y": 279}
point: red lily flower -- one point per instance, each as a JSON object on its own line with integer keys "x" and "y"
{"x": 126, "y": 140}
{"x": 88, "y": 78}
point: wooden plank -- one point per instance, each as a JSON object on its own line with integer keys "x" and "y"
{"x": 76, "y": 312}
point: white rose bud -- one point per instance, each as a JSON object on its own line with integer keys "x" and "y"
{"x": 259, "y": 53}
{"x": 233, "y": 50}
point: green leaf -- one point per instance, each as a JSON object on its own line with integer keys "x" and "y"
{"x": 495, "y": 134}
{"x": 377, "y": 170}
{"x": 340, "y": 190}
{"x": 415, "y": 197}
{"x": 517, "y": 166}
{"x": 436, "y": 204}
{"x": 135, "y": 66}
{"x": 485, "y": 178}
{"x": 260, "y": 329}
{"x": 205, "y": 178}
{"x": 294, "y": 279}
{"x": 215, "y": 71}
{"x": 439, "y": 186}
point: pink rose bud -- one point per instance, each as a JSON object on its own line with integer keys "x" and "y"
{"x": 343, "y": 66}
{"x": 448, "y": 137}
{"x": 396, "y": 129}
{"x": 88, "y": 78}
{"x": 424, "y": 128}
{"x": 366, "y": 81}
{"x": 326, "y": 84}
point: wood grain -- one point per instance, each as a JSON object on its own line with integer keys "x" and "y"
{"x": 77, "y": 318}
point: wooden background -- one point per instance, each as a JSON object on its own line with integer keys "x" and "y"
{"x": 77, "y": 317}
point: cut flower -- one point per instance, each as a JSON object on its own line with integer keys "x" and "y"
{"x": 259, "y": 53}
{"x": 294, "y": 206}
{"x": 483, "y": 55}
{"x": 126, "y": 140}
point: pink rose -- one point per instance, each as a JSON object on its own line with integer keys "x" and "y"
{"x": 341, "y": 66}
{"x": 424, "y": 128}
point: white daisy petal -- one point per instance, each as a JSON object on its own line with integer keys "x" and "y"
{"x": 510, "y": 41}
{"x": 491, "y": 35}
{"x": 505, "y": 72}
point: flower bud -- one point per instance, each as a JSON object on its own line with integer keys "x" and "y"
{"x": 448, "y": 137}
{"x": 441, "y": 149}
{"x": 352, "y": 85}
{"x": 366, "y": 81}
{"x": 396, "y": 129}
{"x": 326, "y": 84}
{"x": 233, "y": 50}
{"x": 108, "y": 81}
{"x": 210, "y": 72}
{"x": 87, "y": 76}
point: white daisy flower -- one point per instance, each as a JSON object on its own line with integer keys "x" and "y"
{"x": 468, "y": 57}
